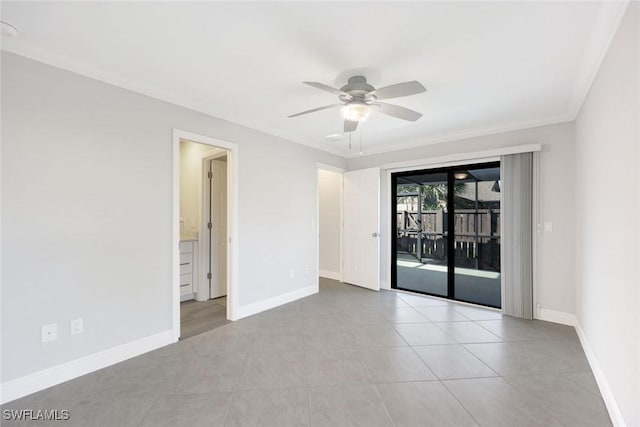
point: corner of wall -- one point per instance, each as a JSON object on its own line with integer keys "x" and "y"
{"x": 603, "y": 384}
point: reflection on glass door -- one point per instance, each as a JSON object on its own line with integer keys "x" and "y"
{"x": 461, "y": 261}
{"x": 421, "y": 237}
{"x": 476, "y": 209}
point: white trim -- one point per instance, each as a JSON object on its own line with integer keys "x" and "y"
{"x": 605, "y": 389}
{"x": 233, "y": 156}
{"x": 19, "y": 387}
{"x": 461, "y": 135}
{"x": 175, "y": 239}
{"x": 475, "y": 156}
{"x": 554, "y": 316}
{"x": 141, "y": 87}
{"x": 260, "y": 306}
{"x": 607, "y": 22}
{"x": 604, "y": 30}
{"x": 333, "y": 275}
{"x": 386, "y": 282}
{"x": 187, "y": 297}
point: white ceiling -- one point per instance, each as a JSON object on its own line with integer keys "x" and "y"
{"x": 488, "y": 66}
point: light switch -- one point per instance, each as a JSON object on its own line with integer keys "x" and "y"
{"x": 548, "y": 226}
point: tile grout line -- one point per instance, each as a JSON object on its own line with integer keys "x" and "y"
{"x": 235, "y": 390}
{"x": 306, "y": 386}
{"x": 386, "y": 410}
{"x": 424, "y": 363}
{"x": 148, "y": 409}
{"x": 452, "y": 394}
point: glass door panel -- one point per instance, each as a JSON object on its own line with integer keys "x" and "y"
{"x": 477, "y": 235}
{"x": 421, "y": 233}
{"x": 446, "y": 229}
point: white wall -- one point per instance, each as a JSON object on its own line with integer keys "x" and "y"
{"x": 330, "y": 199}
{"x": 555, "y": 272}
{"x": 86, "y": 213}
{"x": 607, "y": 217}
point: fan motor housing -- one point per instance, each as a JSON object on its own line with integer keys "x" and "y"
{"x": 357, "y": 87}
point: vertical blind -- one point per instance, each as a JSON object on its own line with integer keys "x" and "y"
{"x": 516, "y": 174}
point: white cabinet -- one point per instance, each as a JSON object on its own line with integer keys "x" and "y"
{"x": 188, "y": 270}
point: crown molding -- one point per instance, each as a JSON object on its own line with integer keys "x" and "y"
{"x": 464, "y": 134}
{"x": 605, "y": 28}
{"x": 607, "y": 22}
{"x": 117, "y": 80}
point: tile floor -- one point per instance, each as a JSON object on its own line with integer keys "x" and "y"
{"x": 347, "y": 357}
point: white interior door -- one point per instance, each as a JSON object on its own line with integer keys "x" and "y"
{"x": 361, "y": 263}
{"x": 218, "y": 246}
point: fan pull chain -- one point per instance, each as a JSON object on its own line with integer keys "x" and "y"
{"x": 350, "y": 140}
{"x": 361, "y": 140}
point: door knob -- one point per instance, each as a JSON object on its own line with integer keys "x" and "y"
{"x": 374, "y": 234}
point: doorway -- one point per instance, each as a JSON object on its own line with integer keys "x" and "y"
{"x": 446, "y": 224}
{"x": 330, "y": 218}
{"x": 205, "y": 201}
{"x": 203, "y": 236}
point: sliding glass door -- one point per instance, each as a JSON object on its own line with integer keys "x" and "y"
{"x": 446, "y": 224}
{"x": 422, "y": 249}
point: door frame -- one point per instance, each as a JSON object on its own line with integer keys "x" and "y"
{"x": 386, "y": 204}
{"x": 203, "y": 251}
{"x": 329, "y": 168}
{"x": 232, "y": 223}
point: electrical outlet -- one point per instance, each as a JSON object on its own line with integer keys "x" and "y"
{"x": 306, "y": 269}
{"x": 548, "y": 226}
{"x": 292, "y": 274}
{"x": 49, "y": 332}
{"x": 76, "y": 326}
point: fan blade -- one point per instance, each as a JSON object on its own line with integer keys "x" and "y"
{"x": 327, "y": 88}
{"x": 398, "y": 90}
{"x": 350, "y": 126}
{"x": 398, "y": 112}
{"x": 315, "y": 109}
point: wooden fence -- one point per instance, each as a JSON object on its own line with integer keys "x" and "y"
{"x": 477, "y": 236}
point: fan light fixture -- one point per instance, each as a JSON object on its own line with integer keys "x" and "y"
{"x": 357, "y": 97}
{"x": 460, "y": 175}
{"x": 355, "y": 112}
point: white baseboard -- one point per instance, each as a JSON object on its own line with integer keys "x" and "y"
{"x": 605, "y": 389}
{"x": 561, "y": 317}
{"x": 570, "y": 319}
{"x": 329, "y": 274}
{"x": 23, "y": 386}
{"x": 260, "y": 306}
{"x": 187, "y": 297}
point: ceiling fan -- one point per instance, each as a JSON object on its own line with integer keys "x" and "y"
{"x": 358, "y": 98}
